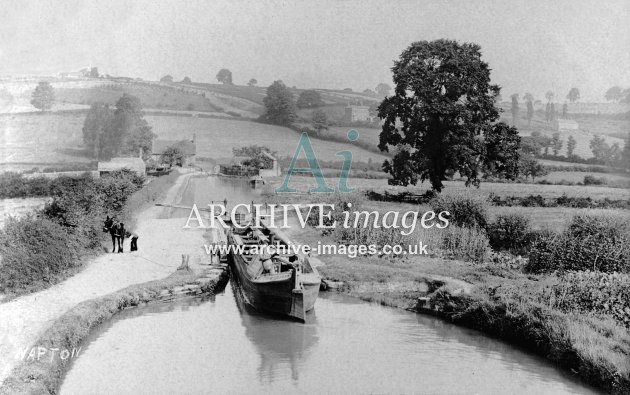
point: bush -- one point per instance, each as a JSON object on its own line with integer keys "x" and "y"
{"x": 591, "y": 242}
{"x": 596, "y": 292}
{"x": 34, "y": 251}
{"x": 465, "y": 210}
{"x": 592, "y": 180}
{"x": 465, "y": 243}
{"x": 510, "y": 232}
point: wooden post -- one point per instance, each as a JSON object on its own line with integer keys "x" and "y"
{"x": 185, "y": 260}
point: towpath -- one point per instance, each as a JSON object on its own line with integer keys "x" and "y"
{"x": 24, "y": 318}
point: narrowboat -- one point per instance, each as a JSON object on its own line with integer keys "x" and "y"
{"x": 272, "y": 277}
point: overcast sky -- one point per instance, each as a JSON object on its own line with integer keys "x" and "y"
{"x": 530, "y": 46}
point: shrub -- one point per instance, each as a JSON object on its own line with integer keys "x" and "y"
{"x": 464, "y": 210}
{"x": 510, "y": 232}
{"x": 597, "y": 292}
{"x": 465, "y": 243}
{"x": 591, "y": 242}
{"x": 34, "y": 251}
{"x": 592, "y": 180}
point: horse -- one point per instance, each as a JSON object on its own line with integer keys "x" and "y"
{"x": 116, "y": 231}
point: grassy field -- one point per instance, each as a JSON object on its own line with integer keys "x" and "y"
{"x": 42, "y": 138}
{"x": 153, "y": 96}
{"x": 217, "y": 137}
{"x": 303, "y": 184}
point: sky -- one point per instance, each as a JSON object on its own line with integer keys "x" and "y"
{"x": 532, "y": 46}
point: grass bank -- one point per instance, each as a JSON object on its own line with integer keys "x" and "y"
{"x": 36, "y": 376}
{"x": 503, "y": 303}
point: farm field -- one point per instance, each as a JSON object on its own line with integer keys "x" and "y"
{"x": 304, "y": 183}
{"x": 552, "y": 218}
{"x": 151, "y": 96}
{"x": 42, "y": 138}
{"x": 217, "y": 137}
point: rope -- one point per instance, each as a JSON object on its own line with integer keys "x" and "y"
{"x": 152, "y": 261}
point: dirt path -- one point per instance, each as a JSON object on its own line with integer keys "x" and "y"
{"x": 161, "y": 243}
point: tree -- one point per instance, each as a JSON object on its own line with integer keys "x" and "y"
{"x": 94, "y": 72}
{"x": 382, "y": 89}
{"x": 95, "y": 128}
{"x": 614, "y": 94}
{"x": 258, "y": 155}
{"x": 43, "y": 96}
{"x": 310, "y": 99}
{"x": 549, "y": 96}
{"x": 252, "y": 82}
{"x": 530, "y": 112}
{"x": 571, "y": 143}
{"x": 515, "y": 108}
{"x": 556, "y": 143}
{"x": 548, "y": 112}
{"x": 528, "y": 97}
{"x": 573, "y": 95}
{"x": 625, "y": 154}
{"x": 186, "y": 80}
{"x": 599, "y": 147}
{"x": 320, "y": 121}
{"x": 129, "y": 132}
{"x": 530, "y": 167}
{"x": 167, "y": 78}
{"x": 279, "y": 104}
{"x": 224, "y": 76}
{"x": 565, "y": 110}
{"x": 369, "y": 92}
{"x": 441, "y": 117}
{"x": 172, "y": 156}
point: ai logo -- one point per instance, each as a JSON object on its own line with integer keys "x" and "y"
{"x": 313, "y": 166}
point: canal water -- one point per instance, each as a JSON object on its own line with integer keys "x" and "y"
{"x": 219, "y": 344}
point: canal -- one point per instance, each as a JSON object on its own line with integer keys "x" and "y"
{"x": 218, "y": 344}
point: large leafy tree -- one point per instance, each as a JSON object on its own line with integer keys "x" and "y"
{"x": 441, "y": 118}
{"x": 124, "y": 130}
{"x": 310, "y": 99}
{"x": 224, "y": 76}
{"x": 320, "y": 121}
{"x": 573, "y": 95}
{"x": 279, "y": 104}
{"x": 614, "y": 94}
{"x": 43, "y": 96}
{"x": 95, "y": 128}
{"x": 515, "y": 108}
{"x": 130, "y": 127}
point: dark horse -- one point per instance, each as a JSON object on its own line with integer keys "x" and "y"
{"x": 117, "y": 231}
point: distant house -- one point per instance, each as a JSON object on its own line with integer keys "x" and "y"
{"x": 357, "y": 114}
{"x": 565, "y": 125}
{"x": 134, "y": 164}
{"x": 187, "y": 147}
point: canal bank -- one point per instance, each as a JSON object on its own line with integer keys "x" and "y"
{"x": 39, "y": 373}
{"x": 570, "y": 341}
{"x": 219, "y": 344}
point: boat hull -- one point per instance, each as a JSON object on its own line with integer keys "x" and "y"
{"x": 278, "y": 297}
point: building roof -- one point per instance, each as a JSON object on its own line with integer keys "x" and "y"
{"x": 186, "y": 146}
{"x": 134, "y": 164}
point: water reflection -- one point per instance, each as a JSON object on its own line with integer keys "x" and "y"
{"x": 279, "y": 341}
